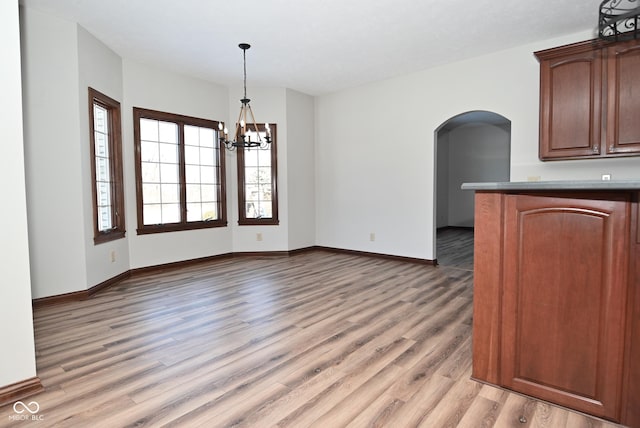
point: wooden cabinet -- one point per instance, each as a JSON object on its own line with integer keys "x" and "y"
{"x": 623, "y": 96}
{"x": 589, "y": 100}
{"x": 556, "y": 310}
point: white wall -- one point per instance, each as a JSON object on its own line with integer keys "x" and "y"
{"x": 375, "y": 157}
{"x": 442, "y": 179}
{"x": 17, "y": 359}
{"x": 477, "y": 153}
{"x": 300, "y": 170}
{"x": 53, "y": 154}
{"x": 100, "y": 68}
{"x": 151, "y": 88}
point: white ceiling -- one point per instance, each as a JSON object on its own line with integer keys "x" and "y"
{"x": 317, "y": 46}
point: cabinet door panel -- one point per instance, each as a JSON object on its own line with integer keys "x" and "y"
{"x": 564, "y": 300}
{"x": 570, "y": 106}
{"x": 623, "y": 110}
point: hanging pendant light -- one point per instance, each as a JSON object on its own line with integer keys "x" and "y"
{"x": 246, "y": 123}
{"x": 619, "y": 20}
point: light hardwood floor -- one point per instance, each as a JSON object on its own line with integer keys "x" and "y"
{"x": 314, "y": 340}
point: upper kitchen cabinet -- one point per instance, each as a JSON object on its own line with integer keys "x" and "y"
{"x": 590, "y": 100}
{"x": 623, "y": 99}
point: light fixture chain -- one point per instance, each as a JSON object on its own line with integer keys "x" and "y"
{"x": 244, "y": 59}
{"x": 243, "y": 126}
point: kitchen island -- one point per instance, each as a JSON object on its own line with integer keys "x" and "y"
{"x": 557, "y": 293}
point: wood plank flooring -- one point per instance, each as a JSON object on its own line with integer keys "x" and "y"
{"x": 454, "y": 247}
{"x": 314, "y": 340}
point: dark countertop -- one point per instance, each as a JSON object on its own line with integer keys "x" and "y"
{"x": 556, "y": 185}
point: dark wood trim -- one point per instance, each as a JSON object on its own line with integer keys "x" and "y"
{"x": 262, "y": 254}
{"x": 179, "y": 264}
{"x": 20, "y": 390}
{"x": 378, "y": 255}
{"x": 86, "y": 294}
{"x": 302, "y": 250}
{"x": 108, "y": 283}
{"x": 274, "y": 219}
{"x": 114, "y": 144}
{"x": 487, "y": 306}
{"x": 578, "y": 47}
{"x": 180, "y": 121}
{"x": 454, "y": 228}
{"x": 631, "y": 386}
{"x": 74, "y": 296}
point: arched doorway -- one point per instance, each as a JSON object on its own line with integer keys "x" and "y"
{"x": 474, "y": 146}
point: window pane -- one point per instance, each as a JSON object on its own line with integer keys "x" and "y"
{"x": 252, "y": 192}
{"x": 265, "y": 192}
{"x": 251, "y": 210}
{"x": 193, "y": 193}
{"x": 168, "y": 132}
{"x": 104, "y": 193}
{"x": 265, "y": 210}
{"x": 251, "y": 175}
{"x": 169, "y": 173}
{"x": 170, "y": 213}
{"x": 251, "y": 157}
{"x": 207, "y": 137}
{"x": 101, "y": 144}
{"x": 209, "y": 211}
{"x": 264, "y": 157}
{"x": 148, "y": 130}
{"x": 104, "y": 218}
{"x": 150, "y": 172}
{"x": 168, "y": 153}
{"x": 152, "y": 214}
{"x": 149, "y": 151}
{"x": 192, "y": 173}
{"x": 209, "y": 192}
{"x": 100, "y": 117}
{"x": 191, "y": 135}
{"x": 207, "y": 156}
{"x": 207, "y": 175}
{"x": 194, "y": 212}
{"x": 170, "y": 193}
{"x": 102, "y": 169}
{"x": 191, "y": 155}
{"x": 151, "y": 193}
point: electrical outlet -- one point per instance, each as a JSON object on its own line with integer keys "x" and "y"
{"x": 372, "y": 237}
{"x": 258, "y": 236}
{"x": 113, "y": 256}
{"x": 606, "y": 177}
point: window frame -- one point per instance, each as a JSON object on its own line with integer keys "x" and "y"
{"x": 274, "y": 219}
{"x": 114, "y": 125}
{"x": 181, "y": 121}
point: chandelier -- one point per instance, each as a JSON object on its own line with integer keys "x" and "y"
{"x": 619, "y": 20}
{"x": 244, "y": 126}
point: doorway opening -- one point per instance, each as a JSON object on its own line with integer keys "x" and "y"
{"x": 471, "y": 147}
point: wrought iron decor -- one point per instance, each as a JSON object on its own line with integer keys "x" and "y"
{"x": 619, "y": 20}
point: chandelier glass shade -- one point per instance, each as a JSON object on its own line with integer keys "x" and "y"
{"x": 246, "y": 123}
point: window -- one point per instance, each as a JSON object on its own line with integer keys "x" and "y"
{"x": 106, "y": 167}
{"x": 179, "y": 172}
{"x": 257, "y": 178}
